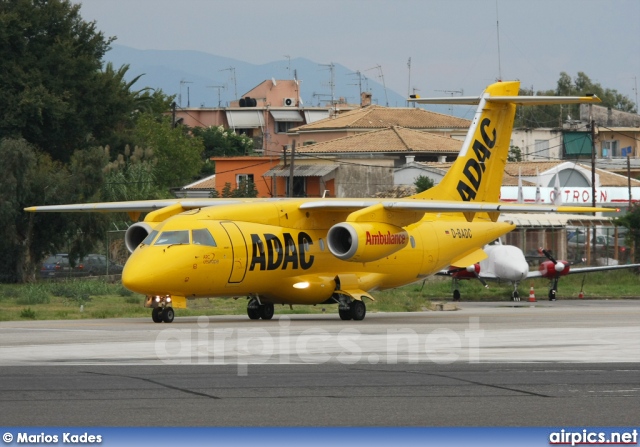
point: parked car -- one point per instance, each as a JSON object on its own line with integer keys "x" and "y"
{"x": 59, "y": 266}
{"x": 95, "y": 264}
{"x": 604, "y": 246}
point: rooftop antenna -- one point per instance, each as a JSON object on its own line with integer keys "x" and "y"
{"x": 635, "y": 89}
{"x": 409, "y": 83}
{"x": 381, "y": 76}
{"x": 332, "y": 83}
{"x": 359, "y": 83}
{"x": 233, "y": 76}
{"x": 414, "y": 90}
{"x": 498, "y": 28}
{"x": 218, "y": 87}
{"x": 288, "y": 64}
{"x": 182, "y": 82}
{"x": 320, "y": 95}
{"x": 452, "y": 92}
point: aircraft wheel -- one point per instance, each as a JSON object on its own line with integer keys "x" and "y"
{"x": 168, "y": 314}
{"x": 266, "y": 311}
{"x": 156, "y": 315}
{"x": 456, "y": 295}
{"x": 515, "y": 296}
{"x": 253, "y": 310}
{"x": 358, "y": 310}
{"x": 552, "y": 295}
{"x": 345, "y": 314}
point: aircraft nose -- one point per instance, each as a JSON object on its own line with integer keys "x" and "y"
{"x": 518, "y": 269}
{"x": 133, "y": 278}
{"x": 137, "y": 278}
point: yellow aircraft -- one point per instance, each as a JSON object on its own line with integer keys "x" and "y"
{"x": 321, "y": 251}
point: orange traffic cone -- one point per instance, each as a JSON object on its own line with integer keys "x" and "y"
{"x": 532, "y": 295}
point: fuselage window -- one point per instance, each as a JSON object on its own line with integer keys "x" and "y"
{"x": 203, "y": 237}
{"x": 321, "y": 242}
{"x": 173, "y": 237}
{"x": 150, "y": 237}
{"x": 413, "y": 242}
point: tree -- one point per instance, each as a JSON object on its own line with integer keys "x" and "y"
{"x": 423, "y": 183}
{"x": 51, "y": 92}
{"x": 515, "y": 154}
{"x": 631, "y": 221}
{"x": 177, "y": 153}
{"x": 556, "y": 115}
{"x": 130, "y": 177}
{"x": 246, "y": 188}
{"x": 29, "y": 176}
{"x": 219, "y": 142}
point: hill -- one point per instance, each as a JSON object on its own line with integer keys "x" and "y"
{"x": 190, "y": 76}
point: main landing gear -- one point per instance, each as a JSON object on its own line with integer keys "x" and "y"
{"x": 159, "y": 314}
{"x": 553, "y": 289}
{"x": 354, "y": 310}
{"x": 257, "y": 310}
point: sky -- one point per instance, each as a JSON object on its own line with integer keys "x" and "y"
{"x": 453, "y": 44}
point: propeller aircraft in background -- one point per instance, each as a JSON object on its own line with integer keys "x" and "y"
{"x": 507, "y": 263}
{"x": 320, "y": 251}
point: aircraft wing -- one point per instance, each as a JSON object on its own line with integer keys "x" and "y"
{"x": 126, "y": 207}
{"x": 537, "y": 274}
{"x": 432, "y": 206}
{"x": 489, "y": 277}
{"x": 446, "y": 206}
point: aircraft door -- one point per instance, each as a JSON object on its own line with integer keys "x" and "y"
{"x": 238, "y": 252}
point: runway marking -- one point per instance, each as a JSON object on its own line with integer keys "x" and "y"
{"x": 472, "y": 382}
{"x": 164, "y": 385}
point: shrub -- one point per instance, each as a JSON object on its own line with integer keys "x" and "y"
{"x": 28, "y": 313}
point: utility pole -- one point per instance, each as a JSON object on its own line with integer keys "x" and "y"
{"x": 593, "y": 172}
{"x": 629, "y": 178}
{"x": 593, "y": 157}
{"x": 291, "y": 167}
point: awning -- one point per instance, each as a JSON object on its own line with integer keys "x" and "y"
{"x": 315, "y": 115}
{"x": 319, "y": 170}
{"x": 287, "y": 115}
{"x": 245, "y": 119}
{"x": 577, "y": 143}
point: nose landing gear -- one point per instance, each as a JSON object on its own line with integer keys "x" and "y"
{"x": 166, "y": 314}
{"x": 161, "y": 308}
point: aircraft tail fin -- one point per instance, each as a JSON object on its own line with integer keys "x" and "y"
{"x": 477, "y": 173}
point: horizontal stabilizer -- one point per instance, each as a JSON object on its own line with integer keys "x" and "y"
{"x": 519, "y": 100}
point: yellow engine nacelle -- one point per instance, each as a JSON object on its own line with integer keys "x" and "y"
{"x": 365, "y": 242}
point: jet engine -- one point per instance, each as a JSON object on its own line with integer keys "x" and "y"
{"x": 365, "y": 242}
{"x": 137, "y": 233}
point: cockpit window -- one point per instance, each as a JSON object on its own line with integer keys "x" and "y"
{"x": 173, "y": 237}
{"x": 150, "y": 237}
{"x": 203, "y": 237}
